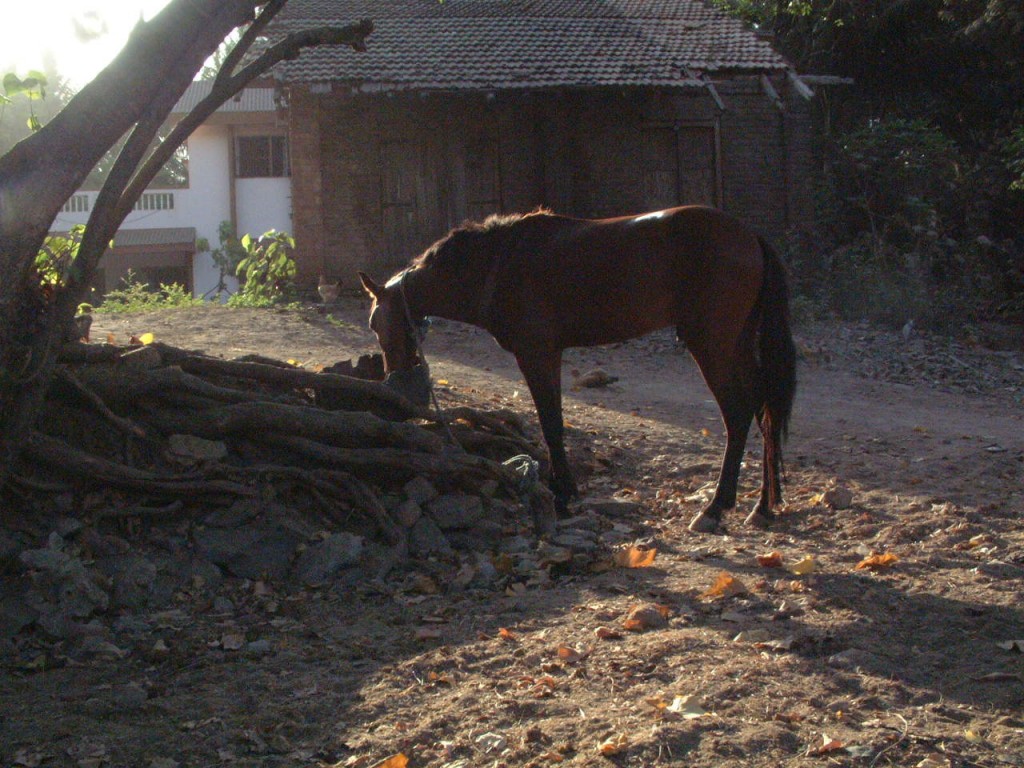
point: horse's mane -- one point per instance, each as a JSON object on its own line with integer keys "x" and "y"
{"x": 495, "y": 224}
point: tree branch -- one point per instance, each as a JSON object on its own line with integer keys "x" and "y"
{"x": 251, "y": 34}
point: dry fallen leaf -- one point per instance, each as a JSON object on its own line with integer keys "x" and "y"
{"x": 1012, "y": 645}
{"x": 770, "y": 560}
{"x": 613, "y": 745}
{"x": 828, "y": 745}
{"x": 570, "y": 655}
{"x": 607, "y": 633}
{"x": 686, "y": 707}
{"x": 395, "y": 761}
{"x": 726, "y": 585}
{"x": 783, "y": 645}
{"x": 634, "y": 557}
{"x": 804, "y": 567}
{"x": 875, "y": 562}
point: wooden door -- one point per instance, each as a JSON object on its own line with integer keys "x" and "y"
{"x": 410, "y": 202}
{"x": 679, "y": 166}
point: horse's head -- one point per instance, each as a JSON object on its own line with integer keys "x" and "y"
{"x": 396, "y": 329}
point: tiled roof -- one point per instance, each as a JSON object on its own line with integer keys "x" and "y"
{"x": 496, "y": 44}
{"x": 162, "y": 236}
{"x": 247, "y": 100}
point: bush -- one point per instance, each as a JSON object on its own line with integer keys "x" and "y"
{"x": 137, "y": 296}
{"x": 267, "y": 273}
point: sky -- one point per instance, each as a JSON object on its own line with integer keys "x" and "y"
{"x": 83, "y": 36}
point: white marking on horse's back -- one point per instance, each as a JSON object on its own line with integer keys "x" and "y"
{"x": 650, "y": 216}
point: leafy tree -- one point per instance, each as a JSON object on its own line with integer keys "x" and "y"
{"x": 28, "y": 102}
{"x": 133, "y": 96}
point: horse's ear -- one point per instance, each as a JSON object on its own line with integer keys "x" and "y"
{"x": 371, "y": 287}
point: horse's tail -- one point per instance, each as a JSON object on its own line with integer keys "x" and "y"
{"x": 778, "y": 365}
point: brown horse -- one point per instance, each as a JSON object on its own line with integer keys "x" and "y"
{"x": 540, "y": 283}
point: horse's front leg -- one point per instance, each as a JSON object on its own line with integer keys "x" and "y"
{"x": 543, "y": 374}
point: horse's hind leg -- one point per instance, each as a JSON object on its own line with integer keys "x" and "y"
{"x": 771, "y": 486}
{"x": 735, "y": 403}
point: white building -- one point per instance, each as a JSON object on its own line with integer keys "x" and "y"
{"x": 238, "y": 171}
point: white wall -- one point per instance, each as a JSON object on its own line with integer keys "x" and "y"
{"x": 260, "y": 204}
{"x": 263, "y": 204}
{"x": 208, "y": 201}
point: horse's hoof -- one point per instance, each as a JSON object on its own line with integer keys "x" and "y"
{"x": 704, "y": 523}
{"x": 758, "y": 520}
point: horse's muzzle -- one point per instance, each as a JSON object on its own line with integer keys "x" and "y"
{"x": 413, "y": 384}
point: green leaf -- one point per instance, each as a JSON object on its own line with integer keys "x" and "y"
{"x": 33, "y": 123}
{"x": 12, "y": 84}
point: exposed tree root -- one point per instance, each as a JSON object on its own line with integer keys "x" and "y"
{"x": 176, "y": 433}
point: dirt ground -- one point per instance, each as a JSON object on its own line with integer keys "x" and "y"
{"x": 880, "y": 622}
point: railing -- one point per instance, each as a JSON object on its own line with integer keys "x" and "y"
{"x": 155, "y": 201}
{"x": 79, "y": 203}
{"x": 148, "y": 201}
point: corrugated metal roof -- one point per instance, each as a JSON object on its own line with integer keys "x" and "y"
{"x": 497, "y": 44}
{"x": 155, "y": 237}
{"x": 248, "y": 100}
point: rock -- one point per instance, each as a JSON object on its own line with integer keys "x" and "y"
{"x": 999, "y": 570}
{"x": 368, "y": 367}
{"x": 132, "y": 578}
{"x": 103, "y": 544}
{"x": 851, "y": 658}
{"x": 407, "y": 513}
{"x": 426, "y": 538}
{"x": 491, "y": 742}
{"x": 420, "y": 490}
{"x": 643, "y": 617}
{"x": 485, "y": 535}
{"x": 611, "y": 506}
{"x": 323, "y": 560}
{"x": 257, "y": 648}
{"x": 67, "y": 527}
{"x": 62, "y": 585}
{"x": 594, "y": 379}
{"x": 456, "y": 510}
{"x": 588, "y": 522}
{"x": 838, "y": 497}
{"x": 576, "y": 540}
{"x": 250, "y": 552}
{"x": 486, "y": 573}
{"x": 516, "y": 544}
{"x": 15, "y": 615}
{"x": 223, "y": 605}
{"x": 11, "y": 546}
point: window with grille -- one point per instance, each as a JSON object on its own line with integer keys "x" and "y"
{"x": 261, "y": 157}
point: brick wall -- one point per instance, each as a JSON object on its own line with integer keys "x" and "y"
{"x": 377, "y": 179}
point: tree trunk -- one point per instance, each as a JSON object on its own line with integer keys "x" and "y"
{"x": 135, "y": 94}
